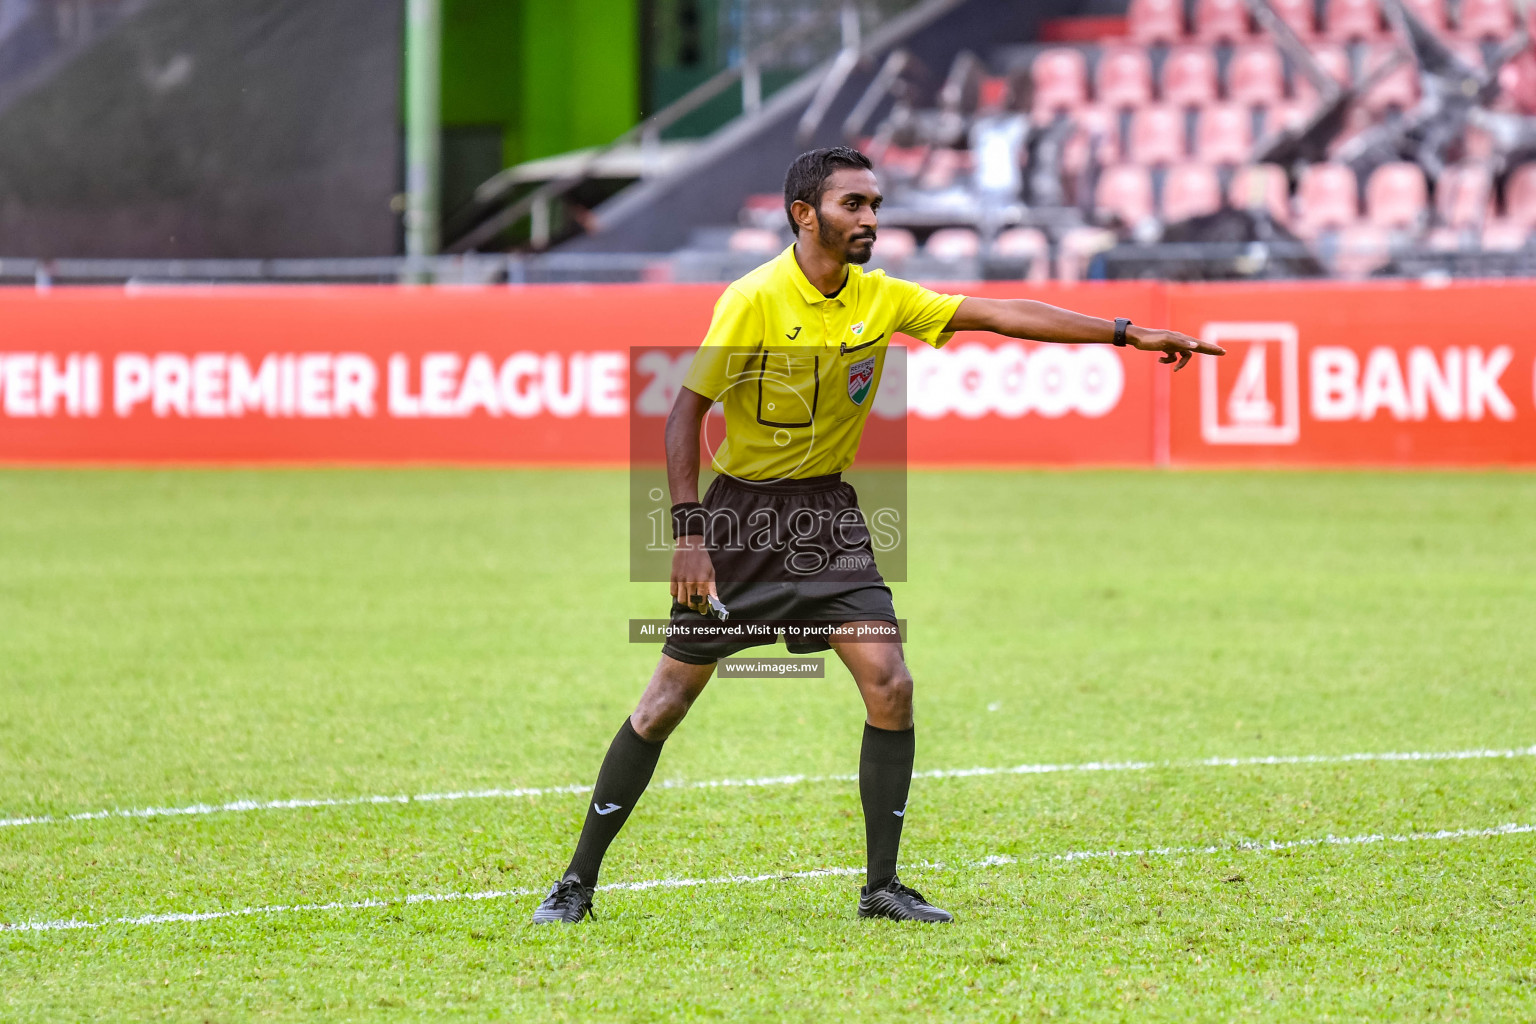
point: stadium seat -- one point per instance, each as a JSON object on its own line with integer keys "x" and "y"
{"x": 1190, "y": 190}
{"x": 893, "y": 245}
{"x": 1431, "y": 12}
{"x": 953, "y": 244}
{"x": 1262, "y": 186}
{"x": 1301, "y": 15}
{"x": 1486, "y": 19}
{"x": 1026, "y": 243}
{"x": 1397, "y": 196}
{"x": 1157, "y": 135}
{"x": 1077, "y": 248}
{"x": 1327, "y": 196}
{"x": 1124, "y": 192}
{"x": 1189, "y": 76}
{"x": 1348, "y": 20}
{"x": 1520, "y": 196}
{"x": 1225, "y": 134}
{"x": 1505, "y": 236}
{"x": 1290, "y": 114}
{"x": 1361, "y": 250}
{"x": 900, "y": 162}
{"x": 1399, "y": 89}
{"x": 1097, "y": 135}
{"x": 754, "y": 240}
{"x": 1221, "y": 20}
{"x": 1443, "y": 239}
{"x": 943, "y": 169}
{"x": 1155, "y": 21}
{"x": 1256, "y": 76}
{"x": 1334, "y": 61}
{"x": 1123, "y": 77}
{"x": 1060, "y": 79}
{"x": 1463, "y": 195}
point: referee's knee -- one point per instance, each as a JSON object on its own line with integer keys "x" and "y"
{"x": 892, "y": 689}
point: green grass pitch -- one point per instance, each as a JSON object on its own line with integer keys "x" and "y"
{"x": 175, "y": 638}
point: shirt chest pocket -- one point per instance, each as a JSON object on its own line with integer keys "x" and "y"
{"x": 788, "y": 389}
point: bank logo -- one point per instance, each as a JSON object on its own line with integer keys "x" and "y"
{"x": 860, "y": 376}
{"x": 1253, "y": 395}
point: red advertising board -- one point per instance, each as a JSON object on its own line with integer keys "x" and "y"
{"x": 1378, "y": 373}
{"x": 1317, "y": 374}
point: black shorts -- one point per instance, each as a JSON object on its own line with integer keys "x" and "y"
{"x": 785, "y": 551}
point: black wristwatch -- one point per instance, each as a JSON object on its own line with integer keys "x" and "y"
{"x": 1121, "y": 323}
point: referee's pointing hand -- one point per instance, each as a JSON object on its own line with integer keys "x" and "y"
{"x": 1175, "y": 347}
{"x": 693, "y": 574}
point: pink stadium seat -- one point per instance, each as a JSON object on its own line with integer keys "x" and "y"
{"x": 1362, "y": 249}
{"x": 1505, "y": 236}
{"x": 1262, "y": 186}
{"x": 1463, "y": 195}
{"x": 895, "y": 244}
{"x": 1486, "y": 19}
{"x": 1397, "y": 196}
{"x": 1334, "y": 61}
{"x": 1190, "y": 190}
{"x": 1156, "y": 21}
{"x": 1060, "y": 78}
{"x": 1399, "y": 89}
{"x": 1301, "y": 15}
{"x": 1520, "y": 196}
{"x": 1125, "y": 193}
{"x": 1256, "y": 76}
{"x": 953, "y": 244}
{"x": 943, "y": 168}
{"x": 1225, "y": 134}
{"x": 1353, "y": 19}
{"x": 1290, "y": 114}
{"x": 1097, "y": 135}
{"x": 1431, "y": 12}
{"x": 1026, "y": 243}
{"x": 1221, "y": 20}
{"x": 1189, "y": 76}
{"x": 1447, "y": 239}
{"x": 754, "y": 240}
{"x": 1327, "y": 197}
{"x": 1157, "y": 135}
{"x": 1356, "y": 120}
{"x": 1077, "y": 247}
{"x": 1123, "y": 77}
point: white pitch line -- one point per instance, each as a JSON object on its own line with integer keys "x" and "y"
{"x": 236, "y": 806}
{"x": 997, "y": 860}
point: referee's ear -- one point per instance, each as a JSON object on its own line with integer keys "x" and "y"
{"x": 804, "y": 216}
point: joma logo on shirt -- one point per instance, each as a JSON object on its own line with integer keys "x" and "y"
{"x": 860, "y": 376}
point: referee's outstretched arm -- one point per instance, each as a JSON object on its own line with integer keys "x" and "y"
{"x": 1039, "y": 321}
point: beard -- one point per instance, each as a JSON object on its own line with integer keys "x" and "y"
{"x": 857, "y": 253}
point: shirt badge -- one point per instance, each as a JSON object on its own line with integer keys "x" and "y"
{"x": 860, "y": 376}
{"x": 858, "y": 328}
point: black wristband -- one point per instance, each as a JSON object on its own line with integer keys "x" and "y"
{"x": 1121, "y": 323}
{"x": 688, "y": 519}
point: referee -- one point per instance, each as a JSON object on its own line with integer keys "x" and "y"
{"x": 794, "y": 354}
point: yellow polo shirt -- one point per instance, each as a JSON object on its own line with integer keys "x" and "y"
{"x": 797, "y": 371}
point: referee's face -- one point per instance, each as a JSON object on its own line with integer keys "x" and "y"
{"x": 846, "y": 220}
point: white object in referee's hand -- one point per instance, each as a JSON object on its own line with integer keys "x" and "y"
{"x": 717, "y": 608}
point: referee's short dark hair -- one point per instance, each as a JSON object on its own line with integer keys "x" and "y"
{"x": 807, "y": 177}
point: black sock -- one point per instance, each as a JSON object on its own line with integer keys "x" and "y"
{"x": 625, "y": 773}
{"x": 885, "y": 775}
